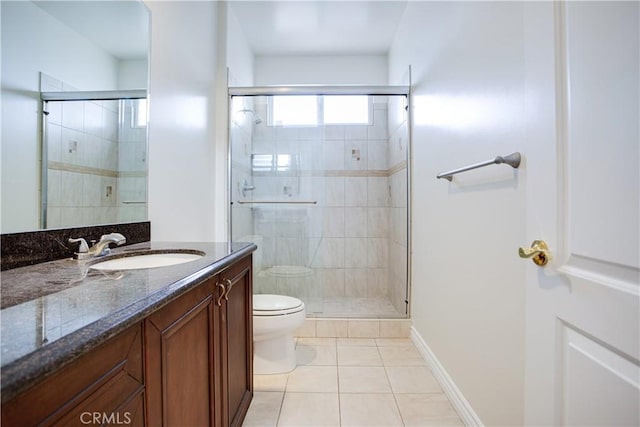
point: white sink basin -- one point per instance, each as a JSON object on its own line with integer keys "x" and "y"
{"x": 149, "y": 260}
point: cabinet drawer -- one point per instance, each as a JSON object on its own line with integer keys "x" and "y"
{"x": 102, "y": 381}
{"x": 99, "y": 409}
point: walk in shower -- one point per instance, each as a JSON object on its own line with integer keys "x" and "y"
{"x": 319, "y": 181}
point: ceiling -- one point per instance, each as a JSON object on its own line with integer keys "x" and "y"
{"x": 319, "y": 27}
{"x": 302, "y": 27}
{"x": 119, "y": 27}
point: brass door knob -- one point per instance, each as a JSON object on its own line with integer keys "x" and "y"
{"x": 539, "y": 252}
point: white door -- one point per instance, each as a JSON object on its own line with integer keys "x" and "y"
{"x": 581, "y": 165}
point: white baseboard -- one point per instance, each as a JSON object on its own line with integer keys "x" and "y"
{"x": 457, "y": 399}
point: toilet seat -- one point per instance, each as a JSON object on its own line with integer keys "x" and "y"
{"x": 276, "y": 305}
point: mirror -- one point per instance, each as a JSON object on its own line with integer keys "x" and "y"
{"x": 85, "y": 159}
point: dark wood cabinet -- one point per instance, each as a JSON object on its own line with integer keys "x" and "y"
{"x": 236, "y": 316}
{"x": 199, "y": 353}
{"x": 181, "y": 343}
{"x": 187, "y": 364}
{"x": 103, "y": 387}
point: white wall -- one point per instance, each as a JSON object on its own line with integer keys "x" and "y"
{"x": 468, "y": 295}
{"x": 240, "y": 57}
{"x": 192, "y": 45}
{"x": 182, "y": 120}
{"x": 326, "y": 70}
{"x": 133, "y": 74}
{"x": 33, "y": 42}
{"x": 239, "y": 61}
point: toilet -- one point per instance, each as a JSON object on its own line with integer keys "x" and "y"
{"x": 275, "y": 318}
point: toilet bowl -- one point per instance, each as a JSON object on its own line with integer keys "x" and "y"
{"x": 275, "y": 318}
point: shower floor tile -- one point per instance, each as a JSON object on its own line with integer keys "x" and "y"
{"x": 351, "y": 307}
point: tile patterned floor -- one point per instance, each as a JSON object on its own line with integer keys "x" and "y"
{"x": 355, "y": 382}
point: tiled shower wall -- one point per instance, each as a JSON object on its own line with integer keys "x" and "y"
{"x": 346, "y": 239}
{"x": 97, "y": 169}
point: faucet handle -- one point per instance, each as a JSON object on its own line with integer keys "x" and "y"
{"x": 83, "y": 250}
{"x": 83, "y": 245}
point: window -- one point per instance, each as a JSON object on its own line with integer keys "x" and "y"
{"x": 296, "y": 110}
{"x": 139, "y": 113}
{"x": 274, "y": 162}
{"x": 346, "y": 109}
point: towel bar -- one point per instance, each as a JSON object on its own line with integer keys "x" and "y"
{"x": 512, "y": 160}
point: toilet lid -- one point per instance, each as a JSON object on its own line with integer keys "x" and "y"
{"x": 273, "y": 305}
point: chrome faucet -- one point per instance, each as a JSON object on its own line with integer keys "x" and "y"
{"x": 101, "y": 248}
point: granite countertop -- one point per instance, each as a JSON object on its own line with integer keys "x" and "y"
{"x": 54, "y": 312}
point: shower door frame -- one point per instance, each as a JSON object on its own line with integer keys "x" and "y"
{"x": 321, "y": 90}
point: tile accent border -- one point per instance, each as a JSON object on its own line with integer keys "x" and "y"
{"x": 87, "y": 170}
{"x": 397, "y": 168}
{"x": 457, "y": 399}
{"x": 354, "y": 328}
{"x": 343, "y": 173}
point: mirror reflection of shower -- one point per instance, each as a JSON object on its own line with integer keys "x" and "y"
{"x": 319, "y": 183}
{"x": 95, "y": 149}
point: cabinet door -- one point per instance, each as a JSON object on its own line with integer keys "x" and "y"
{"x": 181, "y": 340}
{"x": 237, "y": 339}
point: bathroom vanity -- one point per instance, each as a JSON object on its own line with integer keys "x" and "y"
{"x": 158, "y": 346}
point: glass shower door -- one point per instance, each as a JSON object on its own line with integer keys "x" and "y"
{"x": 320, "y": 184}
{"x": 275, "y": 200}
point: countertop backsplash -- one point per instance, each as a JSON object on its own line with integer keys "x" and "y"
{"x": 35, "y": 247}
